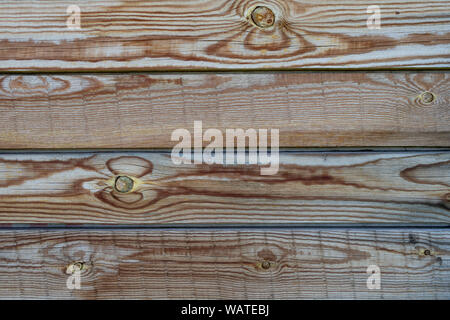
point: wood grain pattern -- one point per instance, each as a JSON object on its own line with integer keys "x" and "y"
{"x": 226, "y": 264}
{"x": 313, "y": 228}
{"x": 388, "y": 188}
{"x": 141, "y": 110}
{"x": 215, "y": 34}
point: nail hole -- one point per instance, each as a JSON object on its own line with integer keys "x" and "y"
{"x": 124, "y": 184}
{"x": 263, "y": 17}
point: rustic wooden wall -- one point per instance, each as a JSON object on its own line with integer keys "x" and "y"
{"x": 364, "y": 120}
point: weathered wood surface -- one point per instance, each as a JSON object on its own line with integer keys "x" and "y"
{"x": 324, "y": 187}
{"x": 226, "y": 264}
{"x": 216, "y": 34}
{"x": 142, "y": 110}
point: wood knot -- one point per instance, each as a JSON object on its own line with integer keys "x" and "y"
{"x": 77, "y": 266}
{"x": 123, "y": 184}
{"x": 263, "y": 17}
{"x": 427, "y": 97}
{"x": 412, "y": 238}
{"x": 426, "y": 252}
{"x": 265, "y": 265}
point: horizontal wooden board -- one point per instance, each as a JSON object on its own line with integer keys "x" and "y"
{"x": 142, "y": 110}
{"x": 217, "y": 34}
{"x": 226, "y": 264}
{"x": 324, "y": 187}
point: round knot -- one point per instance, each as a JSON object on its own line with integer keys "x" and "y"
{"x": 263, "y": 17}
{"x": 427, "y": 97}
{"x": 124, "y": 184}
{"x": 77, "y": 266}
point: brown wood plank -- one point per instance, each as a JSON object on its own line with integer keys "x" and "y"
{"x": 226, "y": 264}
{"x": 322, "y": 187}
{"x": 142, "y": 110}
{"x": 216, "y": 34}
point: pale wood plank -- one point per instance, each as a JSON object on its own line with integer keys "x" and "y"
{"x": 142, "y": 110}
{"x": 226, "y": 264}
{"x": 215, "y": 34}
{"x": 325, "y": 187}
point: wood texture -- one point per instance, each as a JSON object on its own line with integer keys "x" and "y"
{"x": 220, "y": 264}
{"x": 326, "y": 187}
{"x": 313, "y": 228}
{"x": 141, "y": 110}
{"x": 215, "y": 34}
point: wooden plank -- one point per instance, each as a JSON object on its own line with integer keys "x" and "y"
{"x": 217, "y": 34}
{"x": 226, "y": 264}
{"x": 142, "y": 110}
{"x": 389, "y": 188}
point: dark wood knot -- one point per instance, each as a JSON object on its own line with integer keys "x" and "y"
{"x": 263, "y": 17}
{"x": 123, "y": 184}
{"x": 427, "y": 97}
